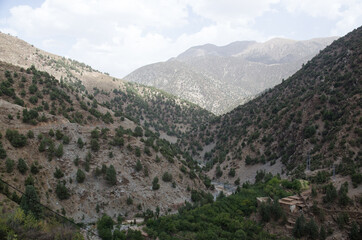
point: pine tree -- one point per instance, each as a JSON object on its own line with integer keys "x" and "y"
{"x": 299, "y": 227}
{"x": 30, "y": 201}
{"x": 80, "y": 176}
{"x": 111, "y": 175}
{"x": 138, "y": 166}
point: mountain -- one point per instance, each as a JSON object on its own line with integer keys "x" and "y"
{"x": 65, "y": 119}
{"x": 316, "y": 114}
{"x": 290, "y": 159}
{"x": 105, "y": 153}
{"x": 144, "y": 105}
{"x": 221, "y": 78}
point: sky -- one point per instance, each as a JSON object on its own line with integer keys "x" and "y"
{"x": 119, "y": 36}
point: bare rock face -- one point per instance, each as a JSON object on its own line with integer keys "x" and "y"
{"x": 221, "y": 78}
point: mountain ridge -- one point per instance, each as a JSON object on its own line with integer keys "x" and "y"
{"x": 233, "y": 73}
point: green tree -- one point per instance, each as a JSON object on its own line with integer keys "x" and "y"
{"x": 331, "y": 193}
{"x": 58, "y": 134}
{"x": 322, "y": 233}
{"x": 80, "y": 176}
{"x": 111, "y": 175}
{"x": 138, "y": 166}
{"x": 22, "y": 166}
{"x": 138, "y": 132}
{"x": 62, "y": 191}
{"x": 232, "y": 172}
{"x": 311, "y": 229}
{"x": 354, "y": 233}
{"x": 59, "y": 151}
{"x": 58, "y": 173}
{"x": 2, "y": 152}
{"x": 34, "y": 169}
{"x": 30, "y": 201}
{"x": 94, "y": 145}
{"x": 80, "y": 143}
{"x": 9, "y": 164}
{"x": 15, "y": 138}
{"x": 104, "y": 227}
{"x": 299, "y": 227}
{"x": 218, "y": 171}
{"x": 129, "y": 201}
{"x": 343, "y": 199}
{"x": 167, "y": 177}
{"x": 155, "y": 184}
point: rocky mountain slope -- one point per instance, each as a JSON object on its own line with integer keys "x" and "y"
{"x": 83, "y": 158}
{"x": 221, "y": 78}
{"x": 144, "y": 105}
{"x": 314, "y": 114}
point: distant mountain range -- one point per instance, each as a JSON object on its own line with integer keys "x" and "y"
{"x": 221, "y": 78}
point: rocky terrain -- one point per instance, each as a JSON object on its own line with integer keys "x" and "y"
{"x": 57, "y": 136}
{"x": 221, "y": 78}
{"x": 129, "y": 151}
{"x": 314, "y": 114}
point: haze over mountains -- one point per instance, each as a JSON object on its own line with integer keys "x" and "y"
{"x": 221, "y": 78}
{"x": 88, "y": 144}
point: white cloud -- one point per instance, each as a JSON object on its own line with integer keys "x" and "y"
{"x": 346, "y": 13}
{"x": 227, "y": 11}
{"x": 119, "y": 36}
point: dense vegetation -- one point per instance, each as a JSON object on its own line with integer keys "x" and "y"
{"x": 227, "y": 218}
{"x": 316, "y": 113}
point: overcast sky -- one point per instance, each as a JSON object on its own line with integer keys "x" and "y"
{"x": 118, "y": 36}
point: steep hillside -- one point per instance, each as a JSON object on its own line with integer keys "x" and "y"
{"x": 314, "y": 114}
{"x": 84, "y": 159}
{"x": 142, "y": 104}
{"x": 221, "y": 78}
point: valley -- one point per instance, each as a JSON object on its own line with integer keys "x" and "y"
{"x": 102, "y": 151}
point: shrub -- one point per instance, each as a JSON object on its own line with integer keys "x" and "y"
{"x": 15, "y": 138}
{"x": 58, "y": 134}
{"x": 62, "y": 191}
{"x": 59, "y": 151}
{"x": 129, "y": 201}
{"x": 9, "y": 164}
{"x": 104, "y": 227}
{"x": 232, "y": 172}
{"x": 354, "y": 233}
{"x": 218, "y": 171}
{"x": 80, "y": 176}
{"x": 311, "y": 229}
{"x": 80, "y": 143}
{"x": 94, "y": 145}
{"x": 58, "y": 173}
{"x": 30, "y": 134}
{"x": 2, "y": 152}
{"x": 138, "y": 152}
{"x": 138, "y": 166}
{"x": 155, "y": 184}
{"x": 138, "y": 132}
{"x": 30, "y": 201}
{"x": 356, "y": 179}
{"x": 309, "y": 131}
{"x": 34, "y": 168}
{"x": 33, "y": 89}
{"x": 299, "y": 227}
{"x": 167, "y": 177}
{"x": 22, "y": 167}
{"x": 33, "y": 100}
{"x": 111, "y": 175}
{"x": 331, "y": 193}
{"x": 343, "y": 199}
{"x": 66, "y": 139}
{"x": 30, "y": 116}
